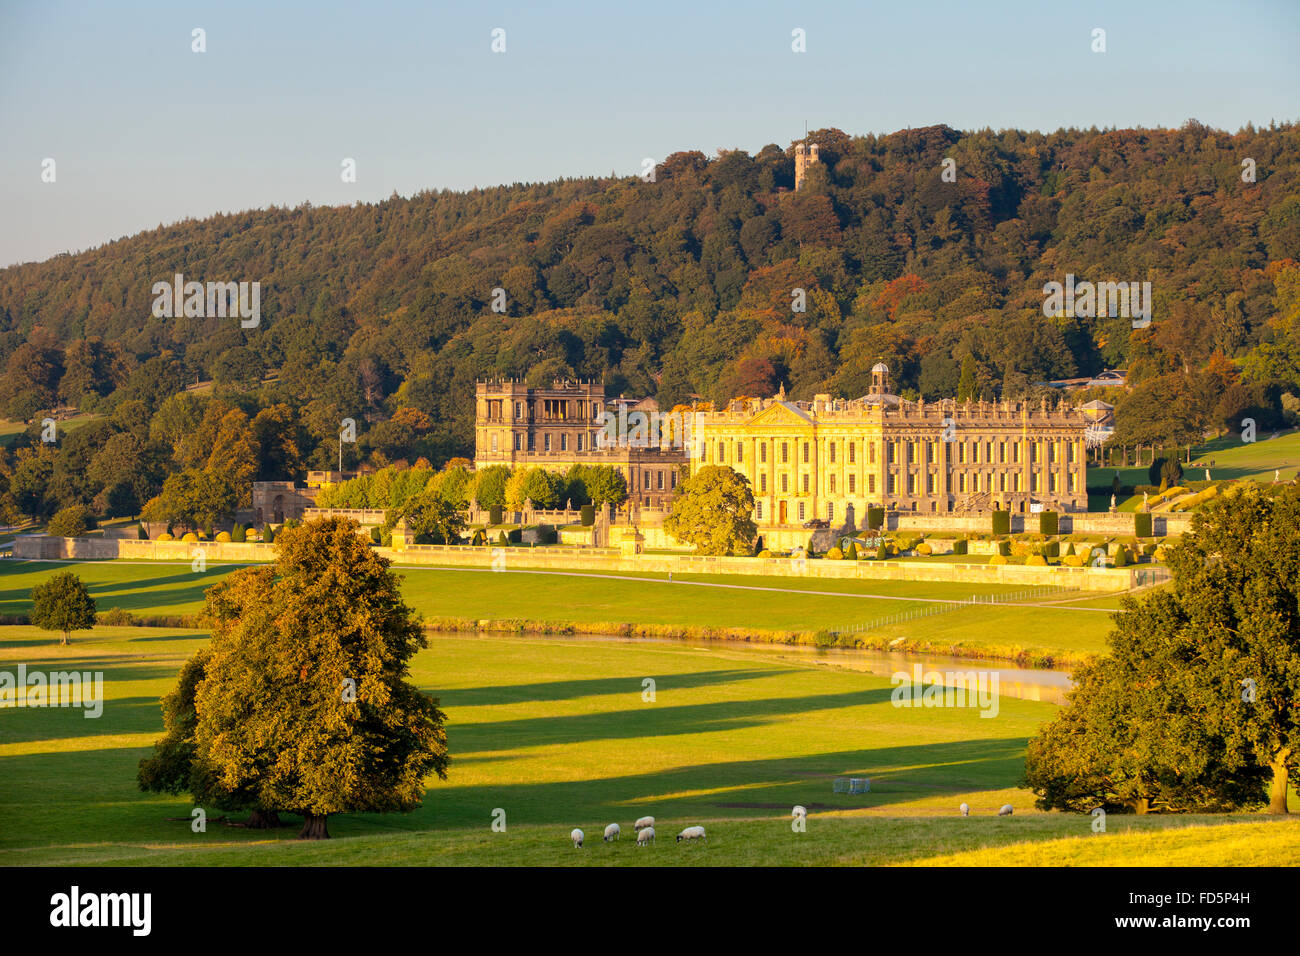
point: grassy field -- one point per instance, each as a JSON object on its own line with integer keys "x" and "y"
{"x": 1233, "y": 459}
{"x": 1063, "y": 632}
{"x": 557, "y": 734}
{"x": 11, "y": 430}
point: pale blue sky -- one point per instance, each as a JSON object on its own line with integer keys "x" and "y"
{"x": 144, "y": 131}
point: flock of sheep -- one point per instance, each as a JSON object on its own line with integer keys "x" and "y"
{"x": 645, "y": 833}
{"x": 645, "y": 828}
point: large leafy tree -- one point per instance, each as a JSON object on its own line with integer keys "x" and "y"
{"x": 1198, "y": 706}
{"x": 304, "y": 705}
{"x": 63, "y": 604}
{"x": 194, "y": 498}
{"x": 714, "y": 511}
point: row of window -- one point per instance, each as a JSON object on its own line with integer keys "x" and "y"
{"x": 908, "y": 451}
{"x": 553, "y": 409}
{"x": 582, "y": 442}
{"x": 996, "y": 482}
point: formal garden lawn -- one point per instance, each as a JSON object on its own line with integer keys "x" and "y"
{"x": 557, "y": 734}
{"x": 1233, "y": 460}
{"x": 1055, "y": 630}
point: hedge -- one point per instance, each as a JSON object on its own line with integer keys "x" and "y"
{"x": 495, "y": 514}
{"x": 588, "y": 515}
{"x": 959, "y": 546}
{"x": 1048, "y": 522}
{"x": 1002, "y": 522}
{"x": 1142, "y": 524}
{"x": 875, "y": 518}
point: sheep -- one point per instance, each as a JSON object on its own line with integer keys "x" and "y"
{"x": 612, "y": 832}
{"x": 1007, "y": 810}
{"x": 643, "y": 823}
{"x": 965, "y": 809}
{"x": 692, "y": 833}
{"x": 645, "y": 835}
{"x": 576, "y": 836}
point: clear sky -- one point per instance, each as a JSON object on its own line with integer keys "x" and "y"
{"x": 144, "y": 131}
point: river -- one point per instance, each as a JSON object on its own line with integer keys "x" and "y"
{"x": 1037, "y": 684}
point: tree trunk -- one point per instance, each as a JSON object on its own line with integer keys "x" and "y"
{"x": 263, "y": 820}
{"x": 64, "y": 641}
{"x": 1141, "y": 804}
{"x": 1277, "y": 791}
{"x": 313, "y": 828}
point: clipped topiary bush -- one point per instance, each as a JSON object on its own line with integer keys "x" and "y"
{"x": 852, "y": 553}
{"x": 1121, "y": 557}
{"x": 238, "y": 534}
{"x": 70, "y": 522}
{"x": 1048, "y": 522}
{"x": 223, "y": 536}
{"x": 960, "y": 546}
{"x": 882, "y": 553}
{"x": 924, "y": 548}
{"x": 166, "y": 536}
{"x": 1036, "y": 561}
{"x": 1142, "y": 524}
{"x": 1002, "y": 522}
{"x": 1004, "y": 549}
{"x": 875, "y": 518}
{"x": 998, "y": 559}
{"x": 588, "y": 515}
{"x": 495, "y": 514}
{"x": 834, "y": 554}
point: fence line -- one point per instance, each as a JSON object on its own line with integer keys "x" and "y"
{"x": 945, "y": 607}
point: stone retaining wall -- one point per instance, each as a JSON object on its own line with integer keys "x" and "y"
{"x": 42, "y": 547}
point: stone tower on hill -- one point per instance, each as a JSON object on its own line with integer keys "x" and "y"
{"x": 803, "y": 158}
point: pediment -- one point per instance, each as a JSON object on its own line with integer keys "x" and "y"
{"x": 778, "y": 414}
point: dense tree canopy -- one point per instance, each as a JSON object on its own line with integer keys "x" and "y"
{"x": 1197, "y": 707}
{"x": 714, "y": 280}
{"x": 301, "y": 702}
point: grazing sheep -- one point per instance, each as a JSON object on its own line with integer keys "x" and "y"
{"x": 1007, "y": 810}
{"x": 645, "y": 835}
{"x": 643, "y": 823}
{"x": 577, "y": 839}
{"x": 965, "y": 809}
{"x": 692, "y": 833}
{"x": 611, "y": 832}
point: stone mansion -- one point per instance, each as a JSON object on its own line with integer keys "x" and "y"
{"x": 825, "y": 460}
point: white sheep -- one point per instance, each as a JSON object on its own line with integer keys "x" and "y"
{"x": 1007, "y": 810}
{"x": 576, "y": 835}
{"x": 692, "y": 833}
{"x": 965, "y": 809}
{"x": 612, "y": 832}
{"x": 643, "y": 823}
{"x": 645, "y": 835}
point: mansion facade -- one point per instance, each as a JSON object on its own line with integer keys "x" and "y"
{"x": 568, "y": 424}
{"x": 827, "y": 460}
{"x": 830, "y": 459}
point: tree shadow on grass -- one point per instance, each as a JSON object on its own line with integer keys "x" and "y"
{"x": 120, "y": 715}
{"x": 648, "y": 720}
{"x": 565, "y": 690}
{"x": 745, "y": 788}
